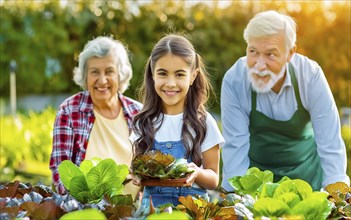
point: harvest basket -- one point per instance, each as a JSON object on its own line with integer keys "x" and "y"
{"x": 181, "y": 182}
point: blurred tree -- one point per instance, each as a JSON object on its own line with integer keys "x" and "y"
{"x": 45, "y": 37}
{"x": 324, "y": 34}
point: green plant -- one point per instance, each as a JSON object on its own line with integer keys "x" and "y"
{"x": 346, "y": 135}
{"x": 251, "y": 181}
{"x": 165, "y": 215}
{"x": 93, "y": 179}
{"x": 84, "y": 214}
{"x": 294, "y": 198}
{"x": 199, "y": 208}
{"x": 155, "y": 164}
{"x": 25, "y": 145}
{"x": 340, "y": 196}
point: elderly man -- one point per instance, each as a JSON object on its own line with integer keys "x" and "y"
{"x": 278, "y": 112}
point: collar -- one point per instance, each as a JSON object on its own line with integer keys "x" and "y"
{"x": 287, "y": 82}
{"x": 87, "y": 103}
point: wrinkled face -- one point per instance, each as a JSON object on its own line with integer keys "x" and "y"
{"x": 102, "y": 78}
{"x": 173, "y": 77}
{"x": 266, "y": 61}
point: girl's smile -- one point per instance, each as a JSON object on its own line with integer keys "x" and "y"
{"x": 171, "y": 93}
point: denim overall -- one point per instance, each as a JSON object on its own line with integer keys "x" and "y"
{"x": 164, "y": 194}
{"x": 287, "y": 148}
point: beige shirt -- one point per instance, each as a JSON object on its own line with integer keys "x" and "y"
{"x": 109, "y": 138}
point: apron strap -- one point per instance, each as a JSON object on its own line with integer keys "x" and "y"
{"x": 295, "y": 84}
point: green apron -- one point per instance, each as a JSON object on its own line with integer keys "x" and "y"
{"x": 287, "y": 148}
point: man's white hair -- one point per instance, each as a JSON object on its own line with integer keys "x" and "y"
{"x": 269, "y": 23}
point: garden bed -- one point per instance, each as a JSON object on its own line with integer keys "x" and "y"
{"x": 19, "y": 200}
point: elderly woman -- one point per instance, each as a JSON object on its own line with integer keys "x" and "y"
{"x": 96, "y": 122}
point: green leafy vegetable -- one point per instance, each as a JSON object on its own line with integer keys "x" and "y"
{"x": 67, "y": 171}
{"x": 268, "y": 189}
{"x": 290, "y": 199}
{"x": 270, "y": 207}
{"x": 164, "y": 216}
{"x": 313, "y": 208}
{"x": 251, "y": 181}
{"x": 300, "y": 187}
{"x": 93, "y": 179}
{"x": 84, "y": 214}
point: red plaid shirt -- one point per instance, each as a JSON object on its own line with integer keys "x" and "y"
{"x": 73, "y": 124}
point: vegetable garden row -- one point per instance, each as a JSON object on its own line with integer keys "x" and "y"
{"x": 27, "y": 142}
{"x": 95, "y": 193}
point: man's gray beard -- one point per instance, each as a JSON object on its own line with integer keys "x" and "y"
{"x": 256, "y": 86}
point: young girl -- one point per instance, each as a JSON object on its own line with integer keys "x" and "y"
{"x": 174, "y": 119}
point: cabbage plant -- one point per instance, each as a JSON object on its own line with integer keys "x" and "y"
{"x": 292, "y": 198}
{"x": 93, "y": 179}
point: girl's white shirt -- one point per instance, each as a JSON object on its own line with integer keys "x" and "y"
{"x": 171, "y": 130}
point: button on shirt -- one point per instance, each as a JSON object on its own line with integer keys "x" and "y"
{"x": 316, "y": 98}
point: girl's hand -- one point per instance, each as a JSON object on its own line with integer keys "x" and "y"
{"x": 136, "y": 180}
{"x": 194, "y": 174}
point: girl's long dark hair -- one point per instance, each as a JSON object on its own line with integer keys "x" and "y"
{"x": 194, "y": 128}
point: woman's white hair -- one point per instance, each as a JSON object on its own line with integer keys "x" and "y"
{"x": 100, "y": 47}
{"x": 269, "y": 23}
